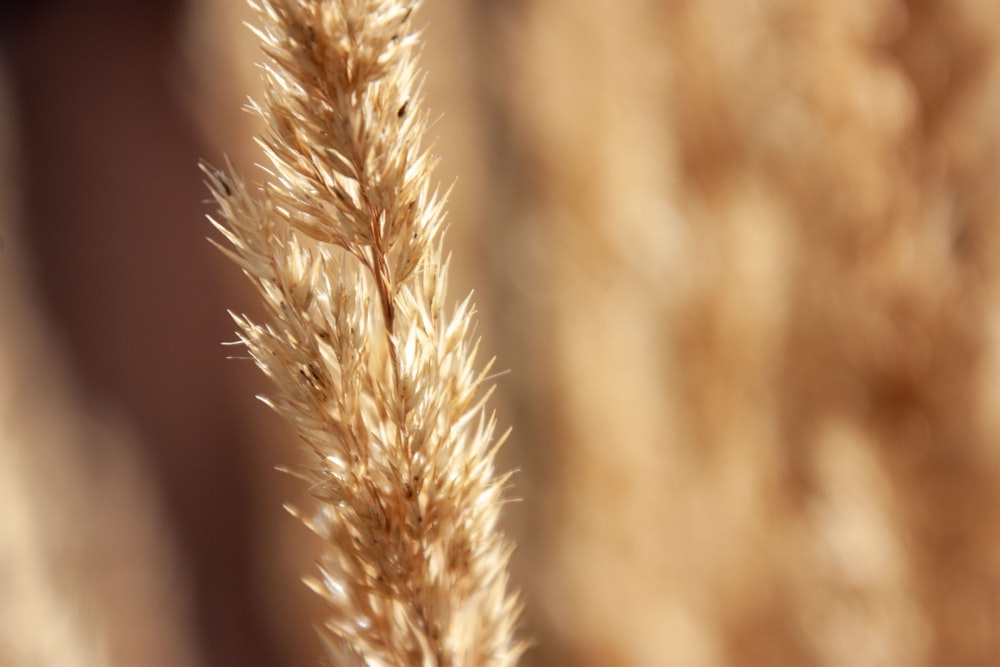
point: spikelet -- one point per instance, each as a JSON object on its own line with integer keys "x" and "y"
{"x": 377, "y": 376}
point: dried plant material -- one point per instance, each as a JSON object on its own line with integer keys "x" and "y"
{"x": 376, "y": 375}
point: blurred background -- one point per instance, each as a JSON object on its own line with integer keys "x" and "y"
{"x": 740, "y": 257}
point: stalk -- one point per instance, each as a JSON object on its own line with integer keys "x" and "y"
{"x": 378, "y": 377}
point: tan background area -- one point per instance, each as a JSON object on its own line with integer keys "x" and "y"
{"x": 740, "y": 259}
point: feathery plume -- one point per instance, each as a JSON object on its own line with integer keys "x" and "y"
{"x": 376, "y": 375}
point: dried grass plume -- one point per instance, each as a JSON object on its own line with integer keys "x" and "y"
{"x": 375, "y": 372}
